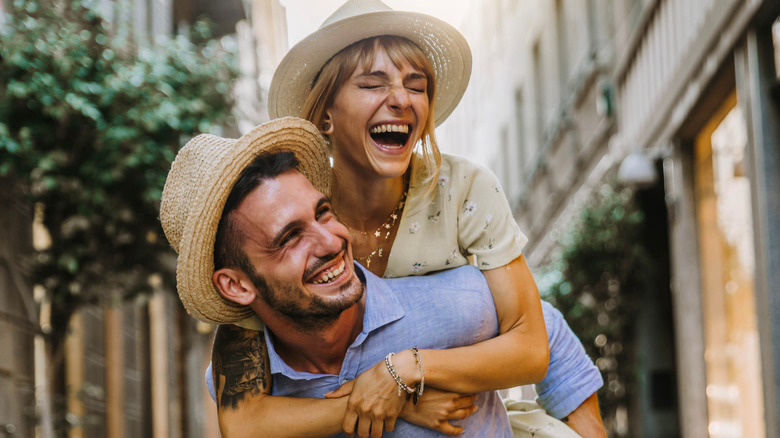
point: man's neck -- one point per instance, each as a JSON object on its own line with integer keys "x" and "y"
{"x": 319, "y": 351}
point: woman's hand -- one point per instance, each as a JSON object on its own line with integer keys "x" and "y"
{"x": 436, "y": 408}
{"x": 374, "y": 404}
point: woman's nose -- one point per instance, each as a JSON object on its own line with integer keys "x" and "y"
{"x": 399, "y": 98}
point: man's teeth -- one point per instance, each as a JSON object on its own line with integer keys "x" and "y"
{"x": 329, "y": 275}
{"x": 378, "y": 129}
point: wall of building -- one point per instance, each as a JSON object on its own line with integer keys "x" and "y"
{"x": 537, "y": 111}
{"x": 562, "y": 91}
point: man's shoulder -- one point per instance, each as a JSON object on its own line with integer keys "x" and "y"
{"x": 463, "y": 277}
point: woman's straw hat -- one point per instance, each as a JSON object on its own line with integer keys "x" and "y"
{"x": 197, "y": 186}
{"x": 357, "y": 20}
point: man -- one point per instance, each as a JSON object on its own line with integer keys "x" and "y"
{"x": 327, "y": 321}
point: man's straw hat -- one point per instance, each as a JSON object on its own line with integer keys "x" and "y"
{"x": 357, "y": 20}
{"x": 198, "y": 184}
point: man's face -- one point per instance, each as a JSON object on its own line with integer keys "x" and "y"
{"x": 300, "y": 252}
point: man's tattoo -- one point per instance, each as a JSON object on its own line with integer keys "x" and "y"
{"x": 238, "y": 360}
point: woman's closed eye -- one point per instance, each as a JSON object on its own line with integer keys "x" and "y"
{"x": 416, "y": 85}
{"x": 370, "y": 86}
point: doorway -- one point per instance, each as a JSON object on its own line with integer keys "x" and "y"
{"x": 724, "y": 224}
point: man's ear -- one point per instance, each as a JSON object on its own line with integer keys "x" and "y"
{"x": 326, "y": 127}
{"x": 234, "y": 286}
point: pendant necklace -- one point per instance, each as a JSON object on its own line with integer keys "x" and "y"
{"x": 386, "y": 228}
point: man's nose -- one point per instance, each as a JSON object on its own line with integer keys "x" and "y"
{"x": 327, "y": 242}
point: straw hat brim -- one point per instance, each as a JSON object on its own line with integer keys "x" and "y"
{"x": 198, "y": 184}
{"x": 444, "y": 46}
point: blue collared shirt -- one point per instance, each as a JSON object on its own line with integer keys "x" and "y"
{"x": 445, "y": 310}
{"x": 571, "y": 376}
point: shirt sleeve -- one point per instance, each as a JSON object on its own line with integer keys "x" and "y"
{"x": 486, "y": 226}
{"x": 210, "y": 383}
{"x": 571, "y": 376}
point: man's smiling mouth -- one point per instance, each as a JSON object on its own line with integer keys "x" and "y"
{"x": 331, "y": 274}
{"x": 390, "y": 135}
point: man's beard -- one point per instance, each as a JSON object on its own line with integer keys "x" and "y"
{"x": 310, "y": 312}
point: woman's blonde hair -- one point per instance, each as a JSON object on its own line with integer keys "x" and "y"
{"x": 340, "y": 67}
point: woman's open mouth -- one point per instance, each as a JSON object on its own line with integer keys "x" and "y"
{"x": 390, "y": 136}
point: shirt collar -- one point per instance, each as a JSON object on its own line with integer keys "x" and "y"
{"x": 382, "y": 308}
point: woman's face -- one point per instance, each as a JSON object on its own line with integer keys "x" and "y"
{"x": 377, "y": 117}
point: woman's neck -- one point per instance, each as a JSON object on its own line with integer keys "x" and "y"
{"x": 364, "y": 203}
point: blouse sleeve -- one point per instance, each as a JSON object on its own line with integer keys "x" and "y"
{"x": 486, "y": 226}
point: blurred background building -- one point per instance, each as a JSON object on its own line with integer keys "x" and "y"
{"x": 675, "y": 98}
{"x": 131, "y": 370}
{"x": 679, "y": 99}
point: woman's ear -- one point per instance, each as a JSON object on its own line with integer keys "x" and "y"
{"x": 234, "y": 286}
{"x": 326, "y": 127}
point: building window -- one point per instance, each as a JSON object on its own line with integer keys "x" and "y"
{"x": 520, "y": 131}
{"x": 538, "y": 94}
{"x": 560, "y": 28}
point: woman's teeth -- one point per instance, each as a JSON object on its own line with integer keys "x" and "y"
{"x": 390, "y": 136}
{"x": 378, "y": 129}
{"x": 331, "y": 274}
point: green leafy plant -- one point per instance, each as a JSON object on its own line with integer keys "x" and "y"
{"x": 90, "y": 121}
{"x": 596, "y": 280}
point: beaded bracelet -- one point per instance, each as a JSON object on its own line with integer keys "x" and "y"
{"x": 416, "y": 392}
{"x": 401, "y": 384}
{"x": 420, "y": 386}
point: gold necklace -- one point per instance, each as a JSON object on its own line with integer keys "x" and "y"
{"x": 386, "y": 227}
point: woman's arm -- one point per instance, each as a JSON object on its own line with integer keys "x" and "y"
{"x": 518, "y": 356}
{"x": 246, "y": 408}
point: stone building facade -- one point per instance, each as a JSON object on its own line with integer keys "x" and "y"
{"x": 563, "y": 91}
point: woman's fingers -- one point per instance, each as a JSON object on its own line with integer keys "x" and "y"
{"x": 341, "y": 391}
{"x": 462, "y": 413}
{"x": 448, "y": 429}
{"x": 377, "y": 426}
{"x": 464, "y": 401}
{"x": 390, "y": 424}
{"x": 350, "y": 423}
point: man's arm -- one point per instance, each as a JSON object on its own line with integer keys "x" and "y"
{"x": 569, "y": 390}
{"x": 246, "y": 408}
{"x": 586, "y": 419}
{"x": 242, "y": 383}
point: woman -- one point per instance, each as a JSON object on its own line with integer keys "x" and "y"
{"x": 375, "y": 99}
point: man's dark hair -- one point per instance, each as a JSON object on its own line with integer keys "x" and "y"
{"x": 228, "y": 252}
